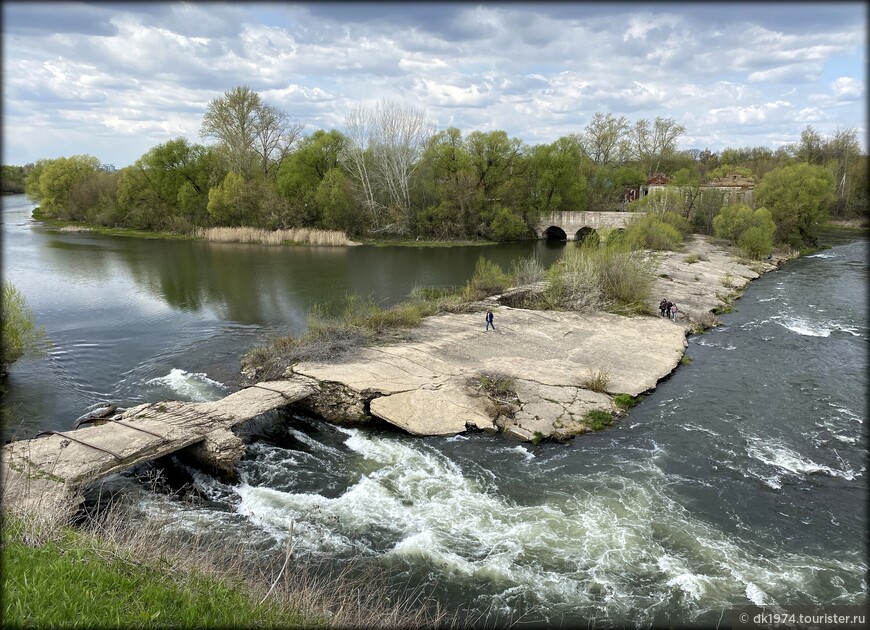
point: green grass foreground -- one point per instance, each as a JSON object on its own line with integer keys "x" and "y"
{"x": 76, "y": 580}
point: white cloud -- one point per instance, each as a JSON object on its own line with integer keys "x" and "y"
{"x": 536, "y": 71}
{"x": 848, "y": 87}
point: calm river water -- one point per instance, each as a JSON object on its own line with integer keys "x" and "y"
{"x": 741, "y": 479}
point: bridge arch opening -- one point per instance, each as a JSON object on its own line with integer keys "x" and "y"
{"x": 587, "y": 234}
{"x": 555, "y": 233}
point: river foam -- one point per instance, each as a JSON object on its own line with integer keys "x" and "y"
{"x": 612, "y": 547}
{"x": 191, "y": 386}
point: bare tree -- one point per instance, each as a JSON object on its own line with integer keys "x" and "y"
{"x": 356, "y": 158}
{"x": 385, "y": 143}
{"x": 605, "y": 138}
{"x": 652, "y": 146}
{"x": 400, "y": 137}
{"x": 275, "y": 136}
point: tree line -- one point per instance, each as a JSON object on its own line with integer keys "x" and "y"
{"x": 390, "y": 174}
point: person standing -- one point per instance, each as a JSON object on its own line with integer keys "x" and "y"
{"x": 489, "y": 322}
{"x": 668, "y": 306}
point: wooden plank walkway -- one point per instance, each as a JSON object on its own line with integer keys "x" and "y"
{"x": 43, "y": 475}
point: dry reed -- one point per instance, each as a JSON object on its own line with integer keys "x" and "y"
{"x": 274, "y": 237}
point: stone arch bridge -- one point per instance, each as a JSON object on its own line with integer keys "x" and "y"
{"x": 575, "y": 226}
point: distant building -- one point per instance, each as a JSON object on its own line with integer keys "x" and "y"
{"x": 735, "y": 188}
{"x": 109, "y": 168}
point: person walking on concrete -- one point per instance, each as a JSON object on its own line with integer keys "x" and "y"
{"x": 663, "y": 305}
{"x": 489, "y": 319}
{"x": 674, "y": 311}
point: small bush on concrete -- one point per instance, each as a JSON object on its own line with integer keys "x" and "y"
{"x": 597, "y": 419}
{"x": 626, "y": 401}
{"x": 597, "y": 381}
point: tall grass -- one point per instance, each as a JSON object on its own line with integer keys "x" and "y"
{"x": 273, "y": 237}
{"x": 335, "y": 331}
{"x": 122, "y": 570}
{"x": 527, "y": 271}
{"x": 590, "y": 278}
{"x": 488, "y": 279}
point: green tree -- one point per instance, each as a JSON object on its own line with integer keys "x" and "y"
{"x": 20, "y": 335}
{"x": 12, "y": 179}
{"x": 252, "y": 135}
{"x": 448, "y": 184}
{"x": 51, "y": 184}
{"x": 231, "y": 203}
{"x": 655, "y": 145}
{"x": 167, "y": 187}
{"x": 606, "y": 139}
{"x": 554, "y": 177}
{"x": 752, "y": 231}
{"x": 798, "y": 198}
{"x": 334, "y": 199}
{"x": 301, "y": 174}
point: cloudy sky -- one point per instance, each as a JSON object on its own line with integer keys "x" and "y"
{"x": 115, "y": 79}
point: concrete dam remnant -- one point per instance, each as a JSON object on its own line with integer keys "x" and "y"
{"x": 43, "y": 475}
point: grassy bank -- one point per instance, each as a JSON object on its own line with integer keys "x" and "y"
{"x": 62, "y": 225}
{"x": 385, "y": 242}
{"x": 296, "y": 236}
{"x": 589, "y": 278}
{"x": 118, "y": 571}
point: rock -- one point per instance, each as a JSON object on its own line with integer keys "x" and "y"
{"x": 221, "y": 449}
{"x": 446, "y": 410}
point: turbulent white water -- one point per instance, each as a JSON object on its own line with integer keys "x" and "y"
{"x": 182, "y": 385}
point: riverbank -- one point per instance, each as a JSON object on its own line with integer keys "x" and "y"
{"x": 539, "y": 374}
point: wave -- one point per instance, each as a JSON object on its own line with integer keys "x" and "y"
{"x": 191, "y": 386}
{"x": 809, "y": 328}
{"x": 783, "y": 458}
{"x": 607, "y": 545}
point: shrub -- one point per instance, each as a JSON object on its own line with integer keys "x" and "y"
{"x": 655, "y": 231}
{"x": 488, "y": 279}
{"x": 598, "y": 419}
{"x": 20, "y": 335}
{"x": 752, "y": 231}
{"x": 527, "y": 271}
{"x": 589, "y": 278}
{"x": 495, "y": 384}
{"x": 597, "y": 381}
{"x": 507, "y": 226}
{"x": 626, "y": 401}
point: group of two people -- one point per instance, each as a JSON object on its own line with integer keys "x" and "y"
{"x": 668, "y": 309}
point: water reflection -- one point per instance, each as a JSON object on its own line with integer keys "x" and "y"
{"x": 264, "y": 285}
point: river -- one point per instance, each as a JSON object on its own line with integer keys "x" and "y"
{"x": 741, "y": 479}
